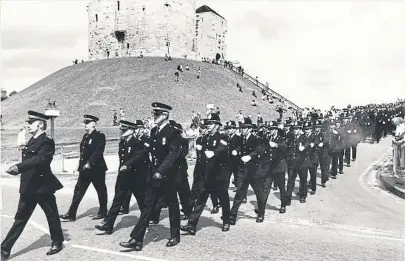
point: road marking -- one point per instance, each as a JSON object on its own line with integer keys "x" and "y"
{"x": 100, "y": 250}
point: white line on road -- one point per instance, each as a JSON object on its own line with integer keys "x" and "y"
{"x": 105, "y": 251}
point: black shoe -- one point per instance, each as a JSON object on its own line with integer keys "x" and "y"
{"x": 353, "y": 159}
{"x": 302, "y": 200}
{"x": 132, "y": 243}
{"x": 104, "y": 227}
{"x": 348, "y": 165}
{"x": 68, "y": 217}
{"x": 323, "y": 185}
{"x": 282, "y": 210}
{"x": 99, "y": 216}
{"x": 334, "y": 177}
{"x": 189, "y": 229}
{"x": 225, "y": 228}
{"x": 124, "y": 211}
{"x": 341, "y": 172}
{"x": 215, "y": 210}
{"x": 260, "y": 219}
{"x": 312, "y": 192}
{"x": 55, "y": 248}
{"x": 173, "y": 242}
{"x": 153, "y": 222}
{"x": 4, "y": 255}
{"x": 233, "y": 220}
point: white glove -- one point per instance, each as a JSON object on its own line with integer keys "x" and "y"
{"x": 355, "y": 131}
{"x": 234, "y": 153}
{"x": 199, "y": 147}
{"x": 383, "y": 122}
{"x": 312, "y": 145}
{"x": 209, "y": 154}
{"x": 246, "y": 158}
{"x": 273, "y": 144}
{"x": 321, "y": 144}
{"x": 335, "y": 132}
{"x": 348, "y": 131}
{"x": 301, "y": 148}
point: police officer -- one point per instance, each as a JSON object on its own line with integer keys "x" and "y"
{"x": 321, "y": 131}
{"x": 164, "y": 151}
{"x": 314, "y": 139}
{"x": 335, "y": 147}
{"x": 249, "y": 173}
{"x": 37, "y": 186}
{"x": 274, "y": 153}
{"x": 216, "y": 176}
{"x": 132, "y": 172}
{"x": 234, "y": 148}
{"x": 92, "y": 169}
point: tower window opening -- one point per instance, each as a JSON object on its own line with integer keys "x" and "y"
{"x": 118, "y": 5}
{"x": 97, "y": 18}
{"x": 167, "y": 4}
{"x": 128, "y": 45}
{"x": 143, "y": 8}
{"x": 120, "y": 35}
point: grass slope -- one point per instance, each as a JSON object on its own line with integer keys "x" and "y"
{"x": 98, "y": 87}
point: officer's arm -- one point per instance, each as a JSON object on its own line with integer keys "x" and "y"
{"x": 184, "y": 147}
{"x": 259, "y": 149}
{"x": 99, "y": 149}
{"x": 138, "y": 156}
{"x": 221, "y": 148}
{"x": 173, "y": 155}
{"x": 43, "y": 157}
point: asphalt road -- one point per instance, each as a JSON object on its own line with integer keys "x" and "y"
{"x": 354, "y": 218}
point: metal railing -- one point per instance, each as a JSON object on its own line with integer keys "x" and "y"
{"x": 263, "y": 86}
{"x": 399, "y": 161}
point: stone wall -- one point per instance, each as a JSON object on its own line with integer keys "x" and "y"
{"x": 129, "y": 27}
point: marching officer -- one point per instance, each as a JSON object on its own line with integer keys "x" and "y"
{"x": 249, "y": 173}
{"x": 37, "y": 186}
{"x": 314, "y": 140}
{"x": 164, "y": 150}
{"x": 321, "y": 129}
{"x": 234, "y": 148}
{"x": 274, "y": 153}
{"x": 92, "y": 169}
{"x": 216, "y": 176}
{"x": 335, "y": 147}
{"x": 132, "y": 173}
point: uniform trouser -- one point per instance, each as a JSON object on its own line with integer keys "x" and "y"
{"x": 341, "y": 160}
{"x": 127, "y": 201}
{"x": 120, "y": 195}
{"x": 220, "y": 188}
{"x": 354, "y": 152}
{"x": 313, "y": 176}
{"x": 324, "y": 168}
{"x": 98, "y": 179}
{"x": 183, "y": 190}
{"x": 233, "y": 170}
{"x": 258, "y": 187}
{"x": 302, "y": 172}
{"x": 278, "y": 179}
{"x": 26, "y": 206}
{"x": 153, "y": 195}
{"x": 195, "y": 191}
{"x": 347, "y": 155}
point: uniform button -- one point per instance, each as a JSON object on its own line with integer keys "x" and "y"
{"x": 41, "y": 175}
{"x": 153, "y": 148}
{"x": 23, "y": 155}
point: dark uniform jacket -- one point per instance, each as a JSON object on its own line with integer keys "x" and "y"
{"x": 275, "y": 157}
{"x": 303, "y": 157}
{"x": 216, "y": 168}
{"x": 234, "y": 143}
{"x": 91, "y": 151}
{"x": 35, "y": 168}
{"x": 133, "y": 153}
{"x": 251, "y": 147}
{"x": 290, "y": 149}
{"x": 181, "y": 162}
{"x": 335, "y": 142}
{"x": 323, "y": 151}
{"x": 164, "y": 151}
{"x": 198, "y": 172}
{"x": 314, "y": 156}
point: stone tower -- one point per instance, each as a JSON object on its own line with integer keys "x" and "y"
{"x": 121, "y": 28}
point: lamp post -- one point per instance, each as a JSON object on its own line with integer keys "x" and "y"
{"x": 52, "y": 112}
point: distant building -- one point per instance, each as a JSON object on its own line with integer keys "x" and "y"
{"x": 154, "y": 28}
{"x": 211, "y": 30}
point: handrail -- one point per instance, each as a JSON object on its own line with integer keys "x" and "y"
{"x": 264, "y": 87}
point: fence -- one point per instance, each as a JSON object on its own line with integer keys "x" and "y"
{"x": 263, "y": 87}
{"x": 399, "y": 160}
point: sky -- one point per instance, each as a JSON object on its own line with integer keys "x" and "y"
{"x": 315, "y": 53}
